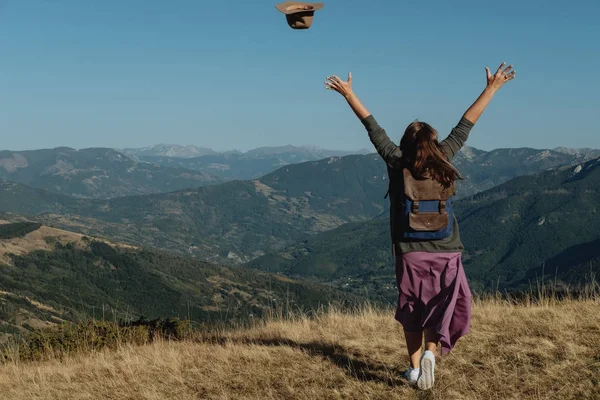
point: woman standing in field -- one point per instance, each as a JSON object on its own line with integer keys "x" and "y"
{"x": 434, "y": 300}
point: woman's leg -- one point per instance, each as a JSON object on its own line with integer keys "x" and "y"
{"x": 426, "y": 378}
{"x": 431, "y": 340}
{"x": 414, "y": 343}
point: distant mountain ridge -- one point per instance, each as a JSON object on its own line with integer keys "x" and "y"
{"x": 236, "y": 165}
{"x": 191, "y": 151}
{"x": 106, "y": 173}
{"x": 586, "y": 151}
{"x": 501, "y": 164}
{"x": 168, "y": 150}
{"x": 486, "y": 169}
{"x": 95, "y": 173}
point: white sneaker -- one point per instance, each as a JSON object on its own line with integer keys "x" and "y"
{"x": 426, "y": 377}
{"x": 411, "y": 375}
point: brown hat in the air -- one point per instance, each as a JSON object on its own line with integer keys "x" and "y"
{"x": 299, "y": 14}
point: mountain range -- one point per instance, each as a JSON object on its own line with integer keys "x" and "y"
{"x": 95, "y": 173}
{"x": 228, "y": 223}
{"x": 191, "y": 151}
{"x": 234, "y": 165}
{"x": 303, "y": 209}
{"x": 168, "y": 150}
{"x": 255, "y": 163}
{"x": 100, "y": 173}
{"x": 517, "y": 234}
{"x": 483, "y": 170}
{"x": 237, "y": 221}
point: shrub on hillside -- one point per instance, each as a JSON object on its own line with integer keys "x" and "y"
{"x": 18, "y": 229}
{"x": 95, "y": 335}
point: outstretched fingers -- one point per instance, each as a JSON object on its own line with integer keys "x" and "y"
{"x": 508, "y": 73}
{"x": 332, "y": 83}
{"x": 502, "y": 74}
{"x": 500, "y": 68}
{"x": 335, "y": 83}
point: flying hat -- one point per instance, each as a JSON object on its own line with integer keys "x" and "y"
{"x": 299, "y": 15}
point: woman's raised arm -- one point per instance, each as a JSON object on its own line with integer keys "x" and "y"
{"x": 345, "y": 89}
{"x": 459, "y": 134}
{"x": 387, "y": 149}
{"x": 494, "y": 82}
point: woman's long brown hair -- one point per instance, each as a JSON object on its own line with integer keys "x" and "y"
{"x": 424, "y": 156}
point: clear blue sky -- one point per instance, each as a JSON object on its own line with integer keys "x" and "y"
{"x": 232, "y": 74}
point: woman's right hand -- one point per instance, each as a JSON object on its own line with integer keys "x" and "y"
{"x": 343, "y": 88}
{"x": 496, "y": 81}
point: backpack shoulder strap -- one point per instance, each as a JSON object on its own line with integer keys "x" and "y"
{"x": 387, "y": 193}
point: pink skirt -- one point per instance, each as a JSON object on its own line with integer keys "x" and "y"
{"x": 434, "y": 294}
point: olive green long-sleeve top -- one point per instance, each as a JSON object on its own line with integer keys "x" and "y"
{"x": 392, "y": 155}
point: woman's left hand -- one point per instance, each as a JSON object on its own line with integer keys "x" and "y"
{"x": 343, "y": 88}
{"x": 496, "y": 81}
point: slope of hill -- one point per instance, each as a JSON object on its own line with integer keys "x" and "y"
{"x": 354, "y": 257}
{"x": 483, "y": 170}
{"x": 546, "y": 223}
{"x": 22, "y": 199}
{"x": 510, "y": 231}
{"x": 513, "y": 352}
{"x": 49, "y": 275}
{"x": 94, "y": 173}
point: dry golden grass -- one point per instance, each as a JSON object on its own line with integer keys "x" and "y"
{"x": 550, "y": 351}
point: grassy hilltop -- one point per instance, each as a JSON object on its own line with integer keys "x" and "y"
{"x": 550, "y": 350}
